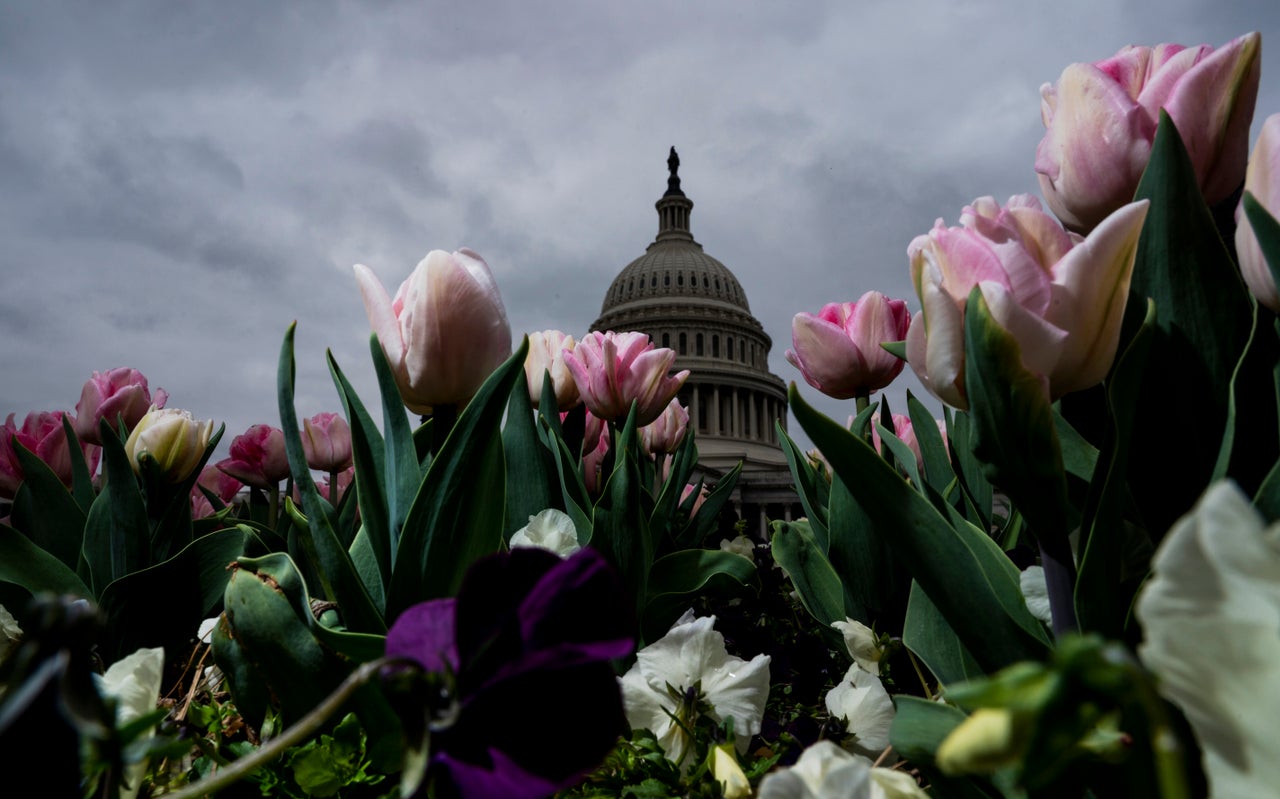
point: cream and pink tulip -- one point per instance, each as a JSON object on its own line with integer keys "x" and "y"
{"x": 838, "y": 350}
{"x": 258, "y": 457}
{"x": 113, "y": 395}
{"x": 612, "y": 370}
{"x": 445, "y": 331}
{"x": 1060, "y": 296}
{"x": 1101, "y": 120}
{"x": 326, "y": 442}
{"x": 1262, "y": 180}
{"x": 172, "y": 439}
{"x": 546, "y": 356}
{"x": 41, "y": 433}
{"x": 665, "y": 434}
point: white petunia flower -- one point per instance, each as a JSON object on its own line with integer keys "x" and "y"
{"x": 551, "y": 530}
{"x": 691, "y": 656}
{"x": 1035, "y": 592}
{"x": 863, "y": 644}
{"x": 10, "y": 632}
{"x": 1211, "y": 618}
{"x": 825, "y": 771}
{"x": 740, "y": 545}
{"x": 134, "y": 682}
{"x": 864, "y": 706}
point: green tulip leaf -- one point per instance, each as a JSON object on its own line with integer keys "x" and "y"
{"x": 1202, "y": 326}
{"x": 403, "y": 477}
{"x": 898, "y": 348}
{"x": 117, "y": 532}
{"x": 46, "y": 512}
{"x": 1079, "y": 457}
{"x": 926, "y": 633}
{"x": 318, "y": 535}
{"x": 1102, "y": 602}
{"x": 902, "y": 454}
{"x": 24, "y": 563}
{"x": 529, "y": 464}
{"x": 368, "y": 454}
{"x": 191, "y": 584}
{"x": 874, "y": 583}
{"x": 1267, "y": 231}
{"x": 81, "y": 480}
{"x": 797, "y": 551}
{"x": 933, "y": 449}
{"x": 814, "y": 490}
{"x": 619, "y": 524}
{"x": 457, "y": 516}
{"x": 669, "y": 501}
{"x": 968, "y": 469}
{"x": 961, "y": 569}
{"x": 1014, "y": 434}
{"x": 676, "y": 579}
{"x": 704, "y": 524}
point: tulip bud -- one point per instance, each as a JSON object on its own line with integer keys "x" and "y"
{"x": 173, "y": 440}
{"x": 1101, "y": 120}
{"x": 613, "y": 370}
{"x": 41, "y": 434}
{"x": 546, "y": 356}
{"x": 258, "y": 457}
{"x": 115, "y": 394}
{"x": 665, "y": 434}
{"x": 1262, "y": 180}
{"x": 222, "y": 485}
{"x": 698, "y": 499}
{"x": 445, "y": 331}
{"x": 838, "y": 351}
{"x": 593, "y": 460}
{"x": 727, "y": 772}
{"x": 1061, "y": 297}
{"x": 326, "y": 441}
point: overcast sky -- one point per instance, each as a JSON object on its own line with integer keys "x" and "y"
{"x": 179, "y": 181}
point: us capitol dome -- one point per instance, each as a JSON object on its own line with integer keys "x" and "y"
{"x": 688, "y": 301}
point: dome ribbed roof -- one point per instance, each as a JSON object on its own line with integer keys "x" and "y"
{"x": 674, "y": 267}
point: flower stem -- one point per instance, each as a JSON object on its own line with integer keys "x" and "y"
{"x": 862, "y": 402}
{"x": 306, "y": 727}
{"x": 444, "y": 417}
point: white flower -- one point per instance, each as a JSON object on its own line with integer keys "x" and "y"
{"x": 1035, "y": 592}
{"x": 690, "y": 655}
{"x": 205, "y": 633}
{"x": 1211, "y": 618}
{"x": 863, "y": 644}
{"x": 551, "y": 530}
{"x": 134, "y": 682}
{"x": 10, "y": 632}
{"x": 741, "y": 545}
{"x": 863, "y": 704}
{"x": 825, "y": 771}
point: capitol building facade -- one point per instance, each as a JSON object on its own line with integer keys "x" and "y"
{"x": 688, "y": 301}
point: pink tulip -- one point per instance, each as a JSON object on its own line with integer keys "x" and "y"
{"x": 593, "y": 460}
{"x": 546, "y": 356}
{"x": 703, "y": 493}
{"x": 1060, "y": 296}
{"x": 445, "y": 331}
{"x": 258, "y": 457}
{"x": 665, "y": 434}
{"x": 1101, "y": 119}
{"x": 224, "y": 487}
{"x": 326, "y": 441}
{"x": 42, "y": 434}
{"x": 838, "y": 351}
{"x": 111, "y": 395}
{"x": 906, "y": 433}
{"x": 614, "y": 369}
{"x": 172, "y": 439}
{"x": 1262, "y": 181}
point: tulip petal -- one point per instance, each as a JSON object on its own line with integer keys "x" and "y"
{"x": 1091, "y": 288}
{"x": 944, "y": 355}
{"x": 377, "y": 306}
{"x": 826, "y": 356}
{"x": 1039, "y": 341}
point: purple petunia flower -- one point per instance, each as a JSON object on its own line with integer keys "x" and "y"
{"x": 523, "y": 697}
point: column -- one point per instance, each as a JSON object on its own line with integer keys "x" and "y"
{"x": 715, "y": 410}
{"x": 752, "y": 420}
